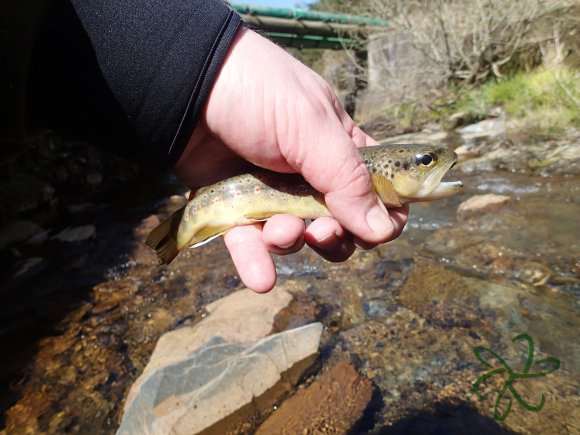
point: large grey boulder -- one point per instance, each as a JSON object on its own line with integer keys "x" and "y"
{"x": 218, "y": 385}
{"x": 217, "y": 373}
{"x": 238, "y": 317}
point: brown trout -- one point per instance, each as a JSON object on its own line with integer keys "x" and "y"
{"x": 400, "y": 174}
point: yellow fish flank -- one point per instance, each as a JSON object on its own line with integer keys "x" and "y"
{"x": 400, "y": 174}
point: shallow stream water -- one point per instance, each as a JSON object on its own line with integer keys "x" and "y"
{"x": 79, "y": 323}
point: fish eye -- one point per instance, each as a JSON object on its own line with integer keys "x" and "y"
{"x": 426, "y": 159}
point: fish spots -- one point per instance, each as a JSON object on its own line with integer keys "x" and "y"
{"x": 406, "y": 166}
{"x": 257, "y": 190}
{"x": 397, "y": 164}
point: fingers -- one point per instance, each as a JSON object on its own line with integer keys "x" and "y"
{"x": 251, "y": 258}
{"x": 329, "y": 239}
{"x": 250, "y": 247}
{"x": 329, "y": 160}
{"x": 399, "y": 218}
{"x": 345, "y": 181}
{"x": 283, "y": 234}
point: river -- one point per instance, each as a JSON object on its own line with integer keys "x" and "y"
{"x": 79, "y": 322}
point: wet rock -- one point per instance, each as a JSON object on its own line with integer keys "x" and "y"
{"x": 77, "y": 234}
{"x": 109, "y": 295}
{"x": 18, "y": 232}
{"x": 177, "y": 200}
{"x": 458, "y": 119}
{"x": 560, "y": 156}
{"x": 173, "y": 203}
{"x": 482, "y": 129}
{"x": 39, "y": 238}
{"x": 143, "y": 254}
{"x": 407, "y": 358}
{"x": 445, "y": 298}
{"x": 238, "y": 317}
{"x": 301, "y": 311}
{"x": 535, "y": 273}
{"x": 333, "y": 403}
{"x": 481, "y": 204}
{"x": 28, "y": 265}
{"x": 466, "y": 152}
{"x": 145, "y": 227}
{"x": 217, "y": 386}
{"x": 79, "y": 208}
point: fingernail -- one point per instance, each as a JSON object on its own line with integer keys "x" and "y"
{"x": 379, "y": 222}
{"x": 287, "y": 246}
{"x": 328, "y": 241}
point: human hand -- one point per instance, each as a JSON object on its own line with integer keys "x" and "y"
{"x": 268, "y": 109}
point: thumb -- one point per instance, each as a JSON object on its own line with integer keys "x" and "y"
{"x": 352, "y": 201}
{"x": 358, "y": 209}
{"x": 338, "y": 171}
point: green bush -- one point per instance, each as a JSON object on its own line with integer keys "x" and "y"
{"x": 546, "y": 100}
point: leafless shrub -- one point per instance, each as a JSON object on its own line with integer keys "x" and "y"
{"x": 468, "y": 40}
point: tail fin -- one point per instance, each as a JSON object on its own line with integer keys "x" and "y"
{"x": 164, "y": 238}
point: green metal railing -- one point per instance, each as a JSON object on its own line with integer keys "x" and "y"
{"x": 309, "y": 29}
{"x": 301, "y": 14}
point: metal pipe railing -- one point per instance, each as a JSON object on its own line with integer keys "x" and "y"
{"x": 301, "y": 14}
{"x": 309, "y": 29}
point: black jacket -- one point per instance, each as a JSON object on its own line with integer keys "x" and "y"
{"x": 130, "y": 75}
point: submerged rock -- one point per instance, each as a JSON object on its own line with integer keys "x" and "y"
{"x": 238, "y": 317}
{"x": 333, "y": 403}
{"x": 28, "y": 265}
{"x": 241, "y": 317}
{"x": 481, "y": 204}
{"x": 18, "y": 232}
{"x": 77, "y": 234}
{"x": 217, "y": 386}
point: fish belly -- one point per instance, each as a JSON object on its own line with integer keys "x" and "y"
{"x": 211, "y": 216}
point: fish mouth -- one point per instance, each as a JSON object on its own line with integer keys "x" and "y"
{"x": 434, "y": 188}
{"x": 445, "y": 189}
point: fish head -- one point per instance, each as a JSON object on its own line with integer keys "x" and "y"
{"x": 419, "y": 175}
{"x": 415, "y": 171}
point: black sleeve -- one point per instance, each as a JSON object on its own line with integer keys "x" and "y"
{"x": 129, "y": 75}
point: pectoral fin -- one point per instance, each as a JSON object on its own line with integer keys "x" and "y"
{"x": 207, "y": 234}
{"x": 385, "y": 191}
{"x": 257, "y": 216}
